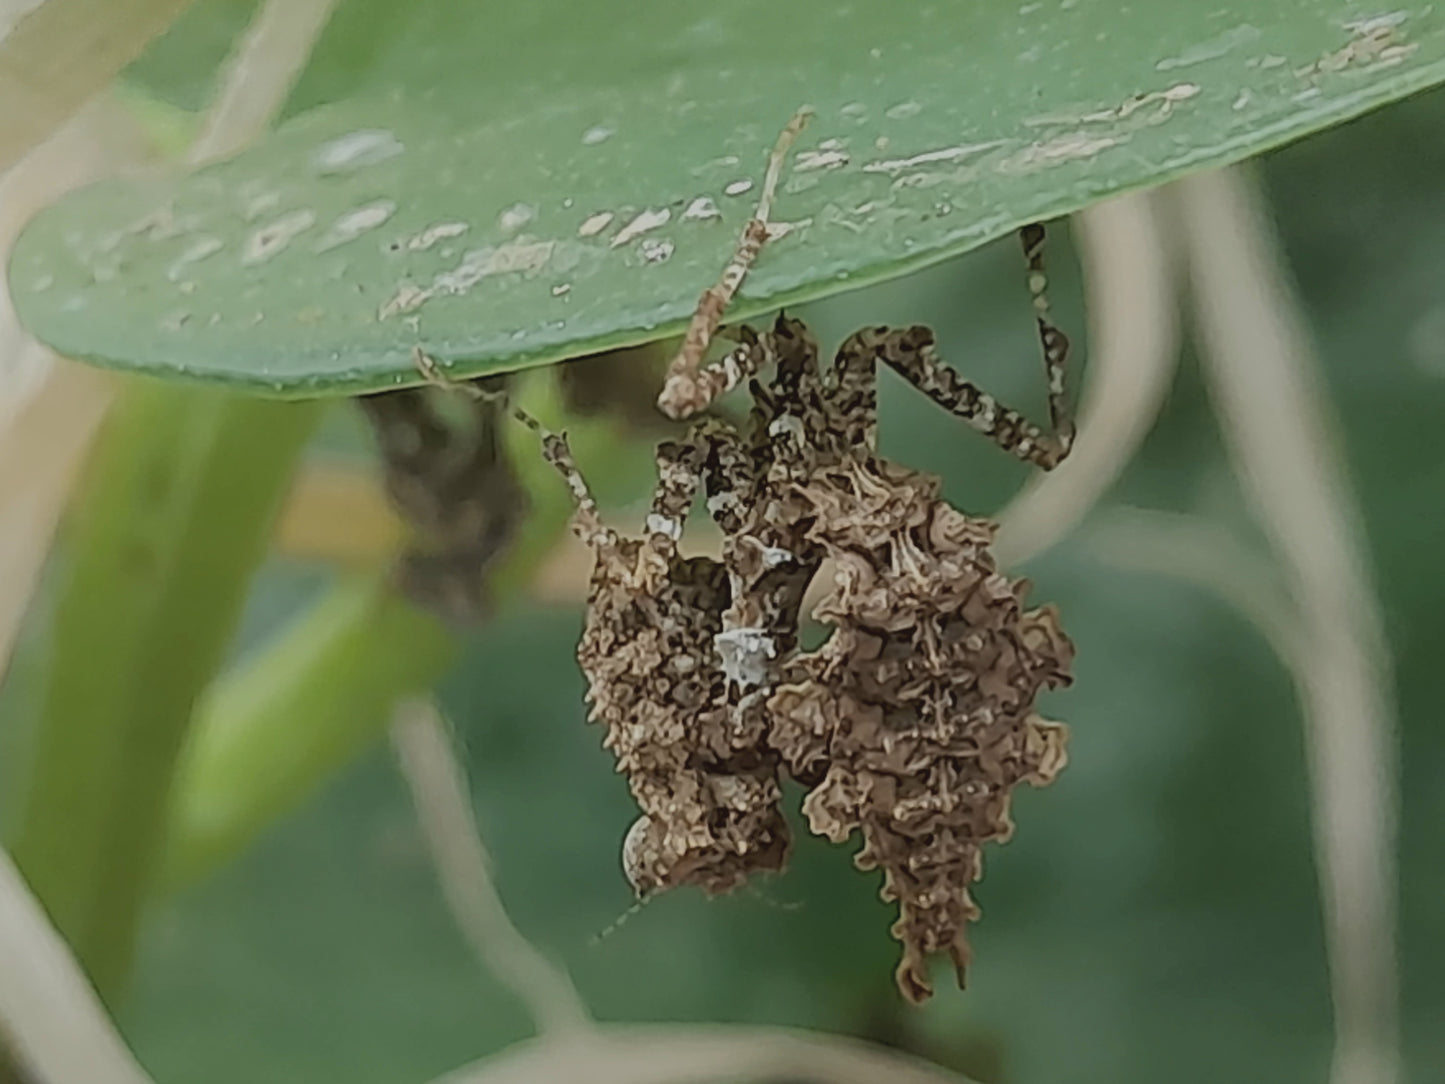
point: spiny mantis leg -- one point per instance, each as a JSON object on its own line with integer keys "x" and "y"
{"x": 683, "y": 395}
{"x": 1055, "y": 343}
{"x": 911, "y": 353}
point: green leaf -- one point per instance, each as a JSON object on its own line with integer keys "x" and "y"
{"x": 172, "y": 519}
{"x": 486, "y": 185}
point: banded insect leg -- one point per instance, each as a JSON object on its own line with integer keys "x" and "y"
{"x": 685, "y": 393}
{"x": 1054, "y": 343}
{"x": 681, "y": 465}
{"x": 911, "y": 353}
{"x": 587, "y": 522}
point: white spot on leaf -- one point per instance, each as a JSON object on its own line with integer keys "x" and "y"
{"x": 700, "y": 210}
{"x": 260, "y": 204}
{"x": 1063, "y": 149}
{"x": 517, "y": 257}
{"x": 356, "y": 150}
{"x": 271, "y": 239}
{"x": 778, "y": 230}
{"x": 200, "y": 250}
{"x": 1216, "y": 47}
{"x": 894, "y": 166}
{"x": 595, "y": 224}
{"x": 515, "y": 217}
{"x": 438, "y": 231}
{"x": 408, "y": 298}
{"x": 354, "y": 223}
{"x": 820, "y": 159}
{"x": 650, "y": 219}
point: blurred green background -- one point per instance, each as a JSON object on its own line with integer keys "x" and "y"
{"x": 1157, "y": 915}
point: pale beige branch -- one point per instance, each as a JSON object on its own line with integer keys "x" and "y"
{"x": 1209, "y": 555}
{"x": 699, "y": 1054}
{"x": 1264, "y": 378}
{"x": 49, "y": 1016}
{"x": 46, "y": 428}
{"x": 49, "y": 411}
{"x": 100, "y": 138}
{"x": 56, "y": 56}
{"x": 51, "y": 1020}
{"x": 40, "y": 455}
{"x": 260, "y": 75}
{"x": 444, "y": 810}
{"x": 1130, "y": 292}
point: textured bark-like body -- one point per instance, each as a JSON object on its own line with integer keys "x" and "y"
{"x": 709, "y": 797}
{"x": 915, "y": 721}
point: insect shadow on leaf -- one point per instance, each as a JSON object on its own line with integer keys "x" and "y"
{"x": 451, "y": 482}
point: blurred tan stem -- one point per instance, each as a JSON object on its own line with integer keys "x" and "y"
{"x": 260, "y": 75}
{"x": 51, "y": 1021}
{"x": 59, "y": 54}
{"x": 700, "y": 1054}
{"x": 1209, "y": 555}
{"x": 444, "y": 809}
{"x": 1264, "y": 378}
{"x": 49, "y": 411}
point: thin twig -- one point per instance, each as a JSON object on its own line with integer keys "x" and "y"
{"x": 700, "y": 1054}
{"x": 93, "y": 144}
{"x": 49, "y": 1015}
{"x": 41, "y": 453}
{"x": 1277, "y": 426}
{"x": 50, "y": 1018}
{"x": 1208, "y": 554}
{"x": 49, "y": 411}
{"x": 260, "y": 75}
{"x": 1130, "y": 290}
{"x": 443, "y": 807}
{"x": 58, "y": 56}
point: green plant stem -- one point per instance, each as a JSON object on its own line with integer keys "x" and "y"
{"x": 307, "y": 702}
{"x": 172, "y": 518}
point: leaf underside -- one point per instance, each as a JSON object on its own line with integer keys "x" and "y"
{"x": 518, "y": 184}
